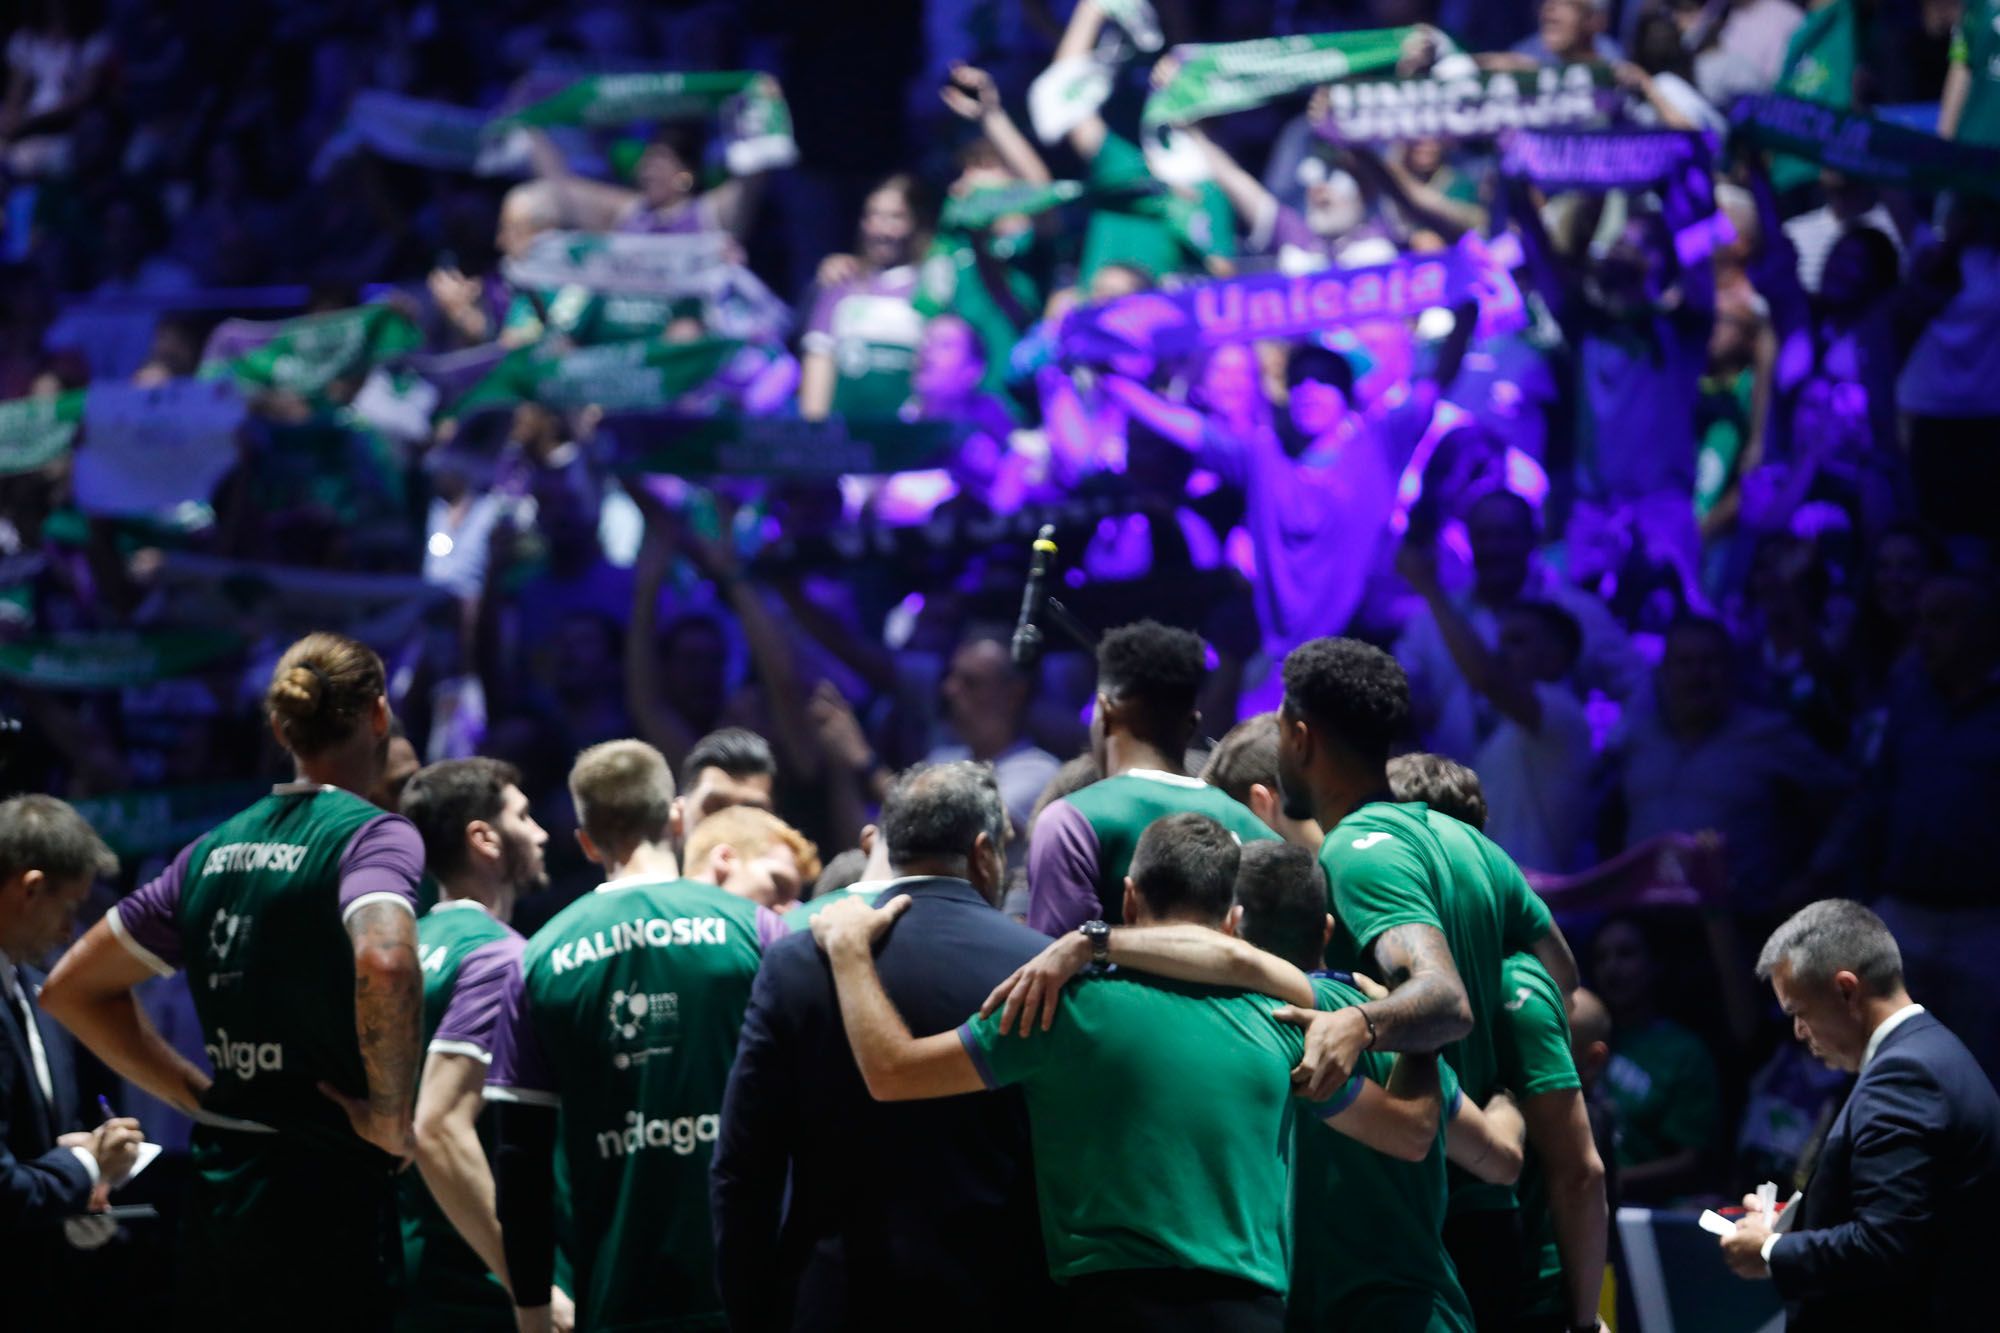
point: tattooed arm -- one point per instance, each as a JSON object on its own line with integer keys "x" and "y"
{"x": 388, "y": 1023}
{"x": 1426, "y": 1008}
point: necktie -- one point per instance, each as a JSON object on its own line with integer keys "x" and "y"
{"x": 25, "y": 1012}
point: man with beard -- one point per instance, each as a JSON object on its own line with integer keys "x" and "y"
{"x": 485, "y": 850}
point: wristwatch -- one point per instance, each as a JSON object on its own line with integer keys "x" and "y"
{"x": 1099, "y": 935}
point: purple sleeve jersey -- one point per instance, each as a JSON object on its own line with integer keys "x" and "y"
{"x": 148, "y": 921}
{"x": 383, "y": 863}
{"x": 1062, "y": 871}
{"x": 478, "y": 1001}
{"x": 518, "y": 1073}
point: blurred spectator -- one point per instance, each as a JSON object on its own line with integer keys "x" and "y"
{"x": 1694, "y": 757}
{"x": 1568, "y": 30}
{"x": 861, "y": 339}
{"x": 986, "y": 705}
{"x": 58, "y": 63}
{"x": 1660, "y": 1078}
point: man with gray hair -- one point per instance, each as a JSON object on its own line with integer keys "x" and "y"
{"x": 1886, "y": 1234}
{"x": 898, "y": 1215}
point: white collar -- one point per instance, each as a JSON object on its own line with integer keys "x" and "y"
{"x": 447, "y": 904}
{"x": 299, "y": 788}
{"x": 1888, "y": 1025}
{"x": 634, "y": 881}
{"x": 1160, "y": 775}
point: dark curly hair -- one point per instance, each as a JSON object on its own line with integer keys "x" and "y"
{"x": 1352, "y": 692}
{"x": 1159, "y": 669}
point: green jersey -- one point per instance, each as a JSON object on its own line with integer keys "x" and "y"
{"x": 1975, "y": 44}
{"x": 256, "y": 912}
{"x": 625, "y": 1016}
{"x": 1392, "y": 864}
{"x": 996, "y": 283}
{"x": 1161, "y": 1117}
{"x": 1367, "y": 1229}
{"x": 1663, "y": 1089}
{"x": 870, "y": 329}
{"x": 464, "y": 954}
{"x": 1083, "y": 843}
{"x": 1160, "y": 231}
{"x": 1532, "y": 1043}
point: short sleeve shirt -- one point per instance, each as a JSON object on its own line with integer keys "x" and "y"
{"x": 1159, "y": 233}
{"x": 624, "y": 1012}
{"x": 1140, "y": 1161}
{"x": 1662, "y": 1082}
{"x": 870, "y": 328}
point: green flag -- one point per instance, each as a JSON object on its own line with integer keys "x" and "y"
{"x": 307, "y": 354}
{"x": 983, "y": 207}
{"x": 1217, "y": 78}
{"x": 160, "y": 820}
{"x": 35, "y": 432}
{"x": 111, "y": 659}
{"x": 620, "y": 376}
{"x": 748, "y": 105}
{"x": 1819, "y": 67}
{"x": 688, "y": 446}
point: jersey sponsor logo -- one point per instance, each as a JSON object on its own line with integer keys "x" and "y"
{"x": 238, "y": 856}
{"x": 225, "y": 932}
{"x": 651, "y": 932}
{"x": 1363, "y": 843}
{"x": 1521, "y": 994}
{"x": 434, "y": 960}
{"x": 643, "y": 1024}
{"x": 245, "y": 1059}
{"x": 683, "y": 1134}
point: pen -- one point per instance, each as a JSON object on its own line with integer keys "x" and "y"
{"x": 104, "y": 1105}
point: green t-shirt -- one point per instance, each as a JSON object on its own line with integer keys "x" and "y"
{"x": 1663, "y": 1090}
{"x": 1161, "y": 1117}
{"x": 1083, "y": 843}
{"x": 800, "y": 917}
{"x": 1160, "y": 232}
{"x": 629, "y": 1003}
{"x": 1367, "y": 1229}
{"x": 1533, "y": 1045}
{"x": 1393, "y": 864}
{"x": 1975, "y": 44}
{"x": 952, "y": 279}
{"x": 443, "y": 1278}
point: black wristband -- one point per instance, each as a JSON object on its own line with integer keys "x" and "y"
{"x": 1363, "y": 1011}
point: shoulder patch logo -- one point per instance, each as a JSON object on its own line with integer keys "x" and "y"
{"x": 1362, "y": 844}
{"x": 1521, "y": 993}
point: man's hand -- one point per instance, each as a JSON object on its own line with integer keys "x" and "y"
{"x": 1334, "y": 1043}
{"x": 1368, "y": 986}
{"x": 839, "y": 731}
{"x": 562, "y": 1311}
{"x": 395, "y": 1135}
{"x": 114, "y": 1145}
{"x": 1743, "y": 1248}
{"x": 1416, "y": 561}
{"x": 1035, "y": 988}
{"x": 837, "y": 270}
{"x": 970, "y": 94}
{"x": 853, "y": 924}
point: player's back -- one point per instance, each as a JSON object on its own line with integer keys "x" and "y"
{"x": 635, "y": 994}
{"x": 1121, "y": 808}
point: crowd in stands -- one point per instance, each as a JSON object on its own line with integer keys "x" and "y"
{"x": 1690, "y": 558}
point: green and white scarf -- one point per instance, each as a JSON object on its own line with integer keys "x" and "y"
{"x": 748, "y": 105}
{"x": 35, "y": 432}
{"x": 1862, "y": 146}
{"x": 1217, "y": 79}
{"x": 1478, "y": 105}
{"x": 307, "y": 354}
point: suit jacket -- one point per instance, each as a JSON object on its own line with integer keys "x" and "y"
{"x": 899, "y": 1215}
{"x": 1893, "y": 1228}
{"x": 40, "y": 1183}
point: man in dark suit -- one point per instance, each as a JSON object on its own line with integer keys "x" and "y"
{"x": 1893, "y": 1228}
{"x": 49, "y": 858}
{"x": 899, "y": 1215}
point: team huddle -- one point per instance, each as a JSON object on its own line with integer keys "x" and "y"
{"x": 691, "y": 1100}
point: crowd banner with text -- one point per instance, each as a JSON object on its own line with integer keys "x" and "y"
{"x": 1220, "y": 78}
{"x": 111, "y": 659}
{"x": 1166, "y": 325}
{"x": 1862, "y": 146}
{"x": 1601, "y": 159}
{"x": 751, "y": 111}
{"x": 699, "y": 446}
{"x": 35, "y": 432}
{"x": 307, "y": 354}
{"x": 1476, "y": 105}
{"x": 622, "y": 376}
{"x": 148, "y": 449}
{"x": 666, "y": 267}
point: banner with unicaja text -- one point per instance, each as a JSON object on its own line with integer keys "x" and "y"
{"x": 1862, "y": 146}
{"x": 1167, "y": 325}
{"x": 1476, "y": 105}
